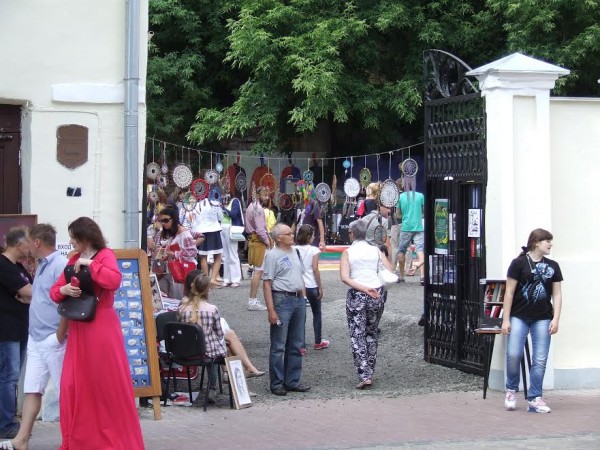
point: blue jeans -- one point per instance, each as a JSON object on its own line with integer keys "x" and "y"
{"x": 12, "y": 356}
{"x": 315, "y": 305}
{"x": 285, "y": 359}
{"x": 540, "y": 342}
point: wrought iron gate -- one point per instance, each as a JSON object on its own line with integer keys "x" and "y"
{"x": 455, "y": 181}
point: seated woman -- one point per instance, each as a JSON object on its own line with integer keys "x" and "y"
{"x": 233, "y": 343}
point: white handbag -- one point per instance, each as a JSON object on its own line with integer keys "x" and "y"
{"x": 236, "y": 233}
{"x": 387, "y": 278}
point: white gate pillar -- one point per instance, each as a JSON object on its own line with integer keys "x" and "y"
{"x": 517, "y": 92}
{"x": 518, "y": 194}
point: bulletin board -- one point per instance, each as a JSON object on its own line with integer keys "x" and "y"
{"x": 133, "y": 303}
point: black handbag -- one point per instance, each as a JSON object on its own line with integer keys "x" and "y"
{"x": 81, "y": 308}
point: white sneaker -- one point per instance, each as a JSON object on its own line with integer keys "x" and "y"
{"x": 510, "y": 401}
{"x": 256, "y": 306}
{"x": 538, "y": 405}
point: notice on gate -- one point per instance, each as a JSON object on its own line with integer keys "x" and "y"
{"x": 441, "y": 226}
{"x": 474, "y": 225}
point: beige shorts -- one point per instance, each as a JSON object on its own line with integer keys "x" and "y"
{"x": 256, "y": 251}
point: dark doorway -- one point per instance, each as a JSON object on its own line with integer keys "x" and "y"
{"x": 10, "y": 160}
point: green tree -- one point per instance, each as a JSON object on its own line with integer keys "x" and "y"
{"x": 563, "y": 32}
{"x": 185, "y": 64}
{"x": 355, "y": 64}
{"x": 276, "y": 69}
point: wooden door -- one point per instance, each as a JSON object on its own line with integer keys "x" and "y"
{"x": 10, "y": 160}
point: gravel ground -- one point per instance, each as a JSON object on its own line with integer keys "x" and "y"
{"x": 401, "y": 369}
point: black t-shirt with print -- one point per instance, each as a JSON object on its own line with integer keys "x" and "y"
{"x": 14, "y": 315}
{"x": 533, "y": 294}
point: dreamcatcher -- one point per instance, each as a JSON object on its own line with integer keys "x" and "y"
{"x": 322, "y": 190}
{"x": 240, "y": 182}
{"x": 215, "y": 196}
{"x": 409, "y": 169}
{"x": 211, "y": 176}
{"x": 199, "y": 189}
{"x": 364, "y": 175}
{"x": 268, "y": 181}
{"x": 182, "y": 176}
{"x": 152, "y": 169}
{"x": 351, "y": 189}
{"x": 164, "y": 169}
{"x": 285, "y": 202}
{"x": 388, "y": 195}
{"x": 153, "y": 197}
{"x": 189, "y": 202}
{"x": 308, "y": 176}
{"x": 162, "y": 180}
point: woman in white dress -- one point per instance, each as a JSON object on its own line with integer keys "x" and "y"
{"x": 208, "y": 222}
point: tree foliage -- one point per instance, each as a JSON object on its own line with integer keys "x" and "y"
{"x": 280, "y": 68}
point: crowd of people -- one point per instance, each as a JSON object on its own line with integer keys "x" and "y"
{"x": 87, "y": 362}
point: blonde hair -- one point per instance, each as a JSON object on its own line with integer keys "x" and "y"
{"x": 198, "y": 294}
{"x": 373, "y": 190}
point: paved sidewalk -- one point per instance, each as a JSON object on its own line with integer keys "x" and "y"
{"x": 439, "y": 421}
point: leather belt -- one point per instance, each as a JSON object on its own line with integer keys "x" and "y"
{"x": 288, "y": 294}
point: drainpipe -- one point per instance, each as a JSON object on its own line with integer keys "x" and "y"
{"x": 132, "y": 82}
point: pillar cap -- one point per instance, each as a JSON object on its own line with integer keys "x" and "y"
{"x": 518, "y": 71}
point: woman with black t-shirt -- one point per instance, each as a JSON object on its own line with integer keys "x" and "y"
{"x": 532, "y": 283}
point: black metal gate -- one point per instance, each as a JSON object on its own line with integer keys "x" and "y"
{"x": 455, "y": 181}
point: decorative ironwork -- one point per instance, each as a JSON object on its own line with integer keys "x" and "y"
{"x": 444, "y": 75}
{"x": 456, "y": 171}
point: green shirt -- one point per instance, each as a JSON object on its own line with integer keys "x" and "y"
{"x": 411, "y": 205}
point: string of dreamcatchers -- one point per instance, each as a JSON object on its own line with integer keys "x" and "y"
{"x": 217, "y": 181}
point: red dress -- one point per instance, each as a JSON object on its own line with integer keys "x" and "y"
{"x": 97, "y": 405}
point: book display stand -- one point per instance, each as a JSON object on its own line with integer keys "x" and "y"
{"x": 490, "y": 324}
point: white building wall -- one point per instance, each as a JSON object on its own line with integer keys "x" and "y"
{"x": 65, "y": 65}
{"x": 575, "y": 160}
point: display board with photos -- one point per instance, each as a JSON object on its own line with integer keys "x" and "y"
{"x": 133, "y": 304}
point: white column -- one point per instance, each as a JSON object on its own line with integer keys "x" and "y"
{"x": 516, "y": 90}
{"x": 518, "y": 195}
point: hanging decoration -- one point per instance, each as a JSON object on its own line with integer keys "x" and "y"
{"x": 409, "y": 168}
{"x": 182, "y": 176}
{"x": 211, "y": 176}
{"x": 346, "y": 165}
{"x": 189, "y": 202}
{"x": 388, "y": 195}
{"x": 199, "y": 188}
{"x": 365, "y": 175}
{"x": 233, "y": 180}
{"x": 153, "y": 197}
{"x": 164, "y": 168}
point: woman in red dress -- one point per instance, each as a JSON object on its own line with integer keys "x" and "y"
{"x": 97, "y": 405}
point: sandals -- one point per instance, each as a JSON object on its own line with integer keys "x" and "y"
{"x": 214, "y": 285}
{"x": 364, "y": 384}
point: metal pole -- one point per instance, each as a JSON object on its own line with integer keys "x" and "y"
{"x": 132, "y": 82}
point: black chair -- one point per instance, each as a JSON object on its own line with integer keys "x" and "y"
{"x": 163, "y": 357}
{"x": 186, "y": 346}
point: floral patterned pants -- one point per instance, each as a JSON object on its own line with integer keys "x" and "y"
{"x": 363, "y": 313}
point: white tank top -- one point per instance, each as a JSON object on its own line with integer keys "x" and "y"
{"x": 363, "y": 259}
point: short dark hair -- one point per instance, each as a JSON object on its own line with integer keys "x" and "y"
{"x": 45, "y": 233}
{"x": 86, "y": 230}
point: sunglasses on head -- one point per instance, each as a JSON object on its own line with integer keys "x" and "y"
{"x": 165, "y": 220}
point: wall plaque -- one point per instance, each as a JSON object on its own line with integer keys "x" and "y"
{"x": 72, "y": 145}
